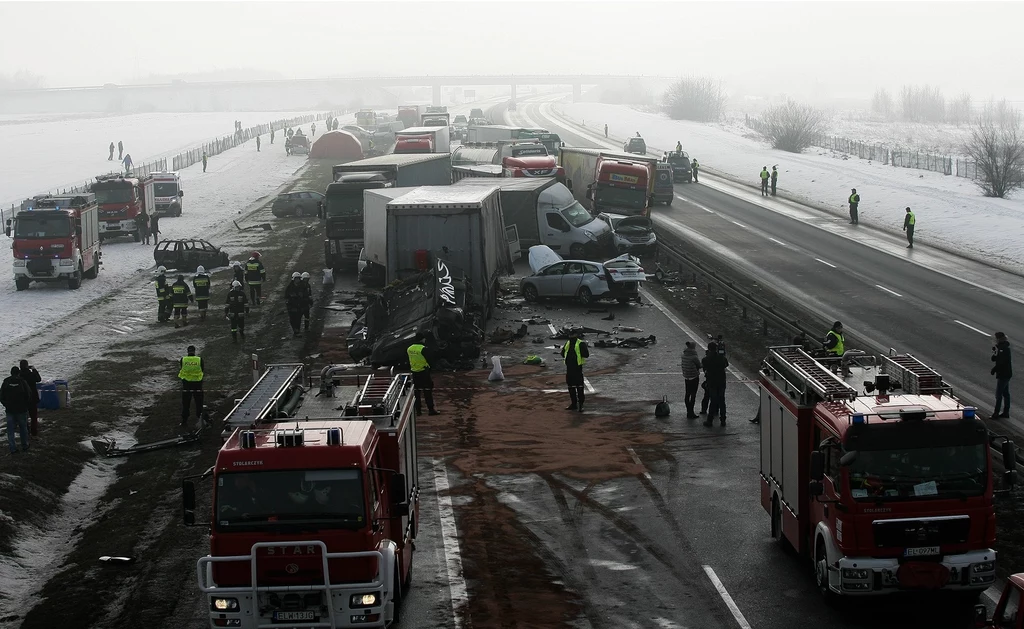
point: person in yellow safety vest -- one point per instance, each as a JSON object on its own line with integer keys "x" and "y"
{"x": 163, "y": 296}
{"x": 835, "y": 345}
{"x": 255, "y": 275}
{"x": 201, "y": 286}
{"x": 775, "y": 178}
{"x": 419, "y": 363}
{"x": 181, "y": 294}
{"x": 576, "y": 354}
{"x": 765, "y": 176}
{"x": 854, "y": 202}
{"x": 191, "y": 374}
{"x": 695, "y": 168}
{"x": 908, "y": 226}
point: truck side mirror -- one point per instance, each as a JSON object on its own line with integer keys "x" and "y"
{"x": 817, "y": 472}
{"x": 180, "y": 193}
{"x": 397, "y": 489}
{"x": 1009, "y": 462}
{"x": 188, "y": 502}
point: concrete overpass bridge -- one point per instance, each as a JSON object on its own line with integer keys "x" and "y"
{"x": 273, "y": 94}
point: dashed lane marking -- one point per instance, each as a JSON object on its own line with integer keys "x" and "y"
{"x": 731, "y": 604}
{"x": 825, "y": 263}
{"x": 888, "y": 290}
{"x": 636, "y": 459}
{"x": 739, "y": 224}
{"x": 554, "y": 332}
{"x": 971, "y": 327}
{"x": 450, "y": 537}
{"x": 778, "y": 242}
{"x": 590, "y": 387}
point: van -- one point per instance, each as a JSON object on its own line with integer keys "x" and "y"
{"x": 664, "y": 192}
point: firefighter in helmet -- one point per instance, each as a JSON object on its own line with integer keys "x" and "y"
{"x": 201, "y": 286}
{"x": 181, "y": 294}
{"x": 235, "y": 310}
{"x": 163, "y": 296}
{"x": 255, "y": 275}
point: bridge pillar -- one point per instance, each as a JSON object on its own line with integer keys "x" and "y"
{"x": 437, "y": 95}
{"x": 513, "y": 92}
{"x": 577, "y": 93}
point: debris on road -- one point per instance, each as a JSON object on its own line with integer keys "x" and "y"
{"x": 109, "y": 449}
{"x": 632, "y": 342}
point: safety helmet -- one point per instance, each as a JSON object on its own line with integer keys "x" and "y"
{"x": 200, "y": 270}
{"x": 236, "y": 263}
{"x": 161, "y": 270}
{"x": 305, "y": 276}
{"x": 236, "y": 284}
{"x": 296, "y": 275}
{"x": 256, "y": 254}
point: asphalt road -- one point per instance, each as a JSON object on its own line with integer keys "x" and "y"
{"x": 935, "y": 305}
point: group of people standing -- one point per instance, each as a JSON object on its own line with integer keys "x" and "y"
{"x": 173, "y": 299}
{"x": 713, "y": 366}
{"x": 126, "y": 160}
{"x": 19, "y": 396}
{"x": 769, "y": 179}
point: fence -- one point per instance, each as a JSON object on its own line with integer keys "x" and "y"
{"x": 195, "y": 155}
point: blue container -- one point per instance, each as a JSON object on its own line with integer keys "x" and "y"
{"x": 48, "y": 396}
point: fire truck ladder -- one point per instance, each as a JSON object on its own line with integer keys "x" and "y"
{"x": 380, "y": 396}
{"x": 809, "y": 375}
{"x": 913, "y": 376}
{"x": 264, "y": 400}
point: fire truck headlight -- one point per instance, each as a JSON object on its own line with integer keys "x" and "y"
{"x": 855, "y": 573}
{"x": 363, "y": 600}
{"x": 225, "y": 604}
{"x": 66, "y": 262}
{"x": 20, "y": 262}
{"x": 985, "y": 566}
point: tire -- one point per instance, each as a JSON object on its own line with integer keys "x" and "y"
{"x": 137, "y": 236}
{"x": 299, "y": 211}
{"x": 530, "y": 292}
{"x": 576, "y": 250}
{"x": 669, "y": 203}
{"x": 585, "y": 296}
{"x": 623, "y": 300}
{"x": 75, "y": 281}
{"x": 94, "y": 271}
{"x": 21, "y": 283}
{"x": 821, "y": 571}
{"x": 776, "y": 528}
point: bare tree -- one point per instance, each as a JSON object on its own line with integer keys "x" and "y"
{"x": 793, "y": 127}
{"x": 882, "y": 103}
{"x": 698, "y": 98}
{"x": 922, "y": 104}
{"x": 959, "y": 110}
{"x": 996, "y": 145}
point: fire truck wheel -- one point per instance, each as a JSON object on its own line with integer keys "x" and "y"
{"x": 669, "y": 202}
{"x": 75, "y": 281}
{"x": 821, "y": 571}
{"x": 94, "y": 271}
{"x": 21, "y": 283}
{"x": 776, "y": 520}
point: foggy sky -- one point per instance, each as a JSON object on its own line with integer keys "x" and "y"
{"x": 834, "y": 49}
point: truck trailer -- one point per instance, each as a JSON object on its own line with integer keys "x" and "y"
{"x": 609, "y": 181}
{"x": 56, "y": 239}
{"x": 344, "y": 197}
{"x": 423, "y": 140}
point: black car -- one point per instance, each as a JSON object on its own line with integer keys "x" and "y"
{"x": 186, "y": 255}
{"x": 635, "y": 145}
{"x": 296, "y": 203}
{"x": 680, "y": 163}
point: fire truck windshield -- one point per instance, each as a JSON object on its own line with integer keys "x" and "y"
{"x": 30, "y": 225}
{"x": 621, "y": 197}
{"x": 321, "y": 498}
{"x": 165, "y": 189}
{"x": 919, "y": 473}
{"x": 113, "y": 195}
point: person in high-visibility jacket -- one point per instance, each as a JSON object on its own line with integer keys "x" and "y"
{"x": 835, "y": 345}
{"x": 191, "y": 374}
{"x": 255, "y": 275}
{"x": 765, "y": 176}
{"x": 163, "y": 296}
{"x": 181, "y": 294}
{"x": 420, "y": 357}
{"x": 854, "y": 201}
{"x": 201, "y": 286}
{"x": 575, "y": 353}
{"x": 908, "y": 226}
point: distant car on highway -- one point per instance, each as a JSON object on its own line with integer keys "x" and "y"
{"x": 460, "y": 119}
{"x": 635, "y": 145}
{"x": 185, "y": 255}
{"x": 476, "y": 112}
{"x": 583, "y": 280}
{"x": 296, "y": 203}
{"x": 357, "y": 131}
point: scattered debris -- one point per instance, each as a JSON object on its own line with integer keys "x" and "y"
{"x": 610, "y": 317}
{"x": 118, "y": 560}
{"x": 536, "y": 321}
{"x": 533, "y": 360}
{"x": 626, "y": 328}
{"x": 501, "y": 335}
{"x": 633, "y": 342}
{"x": 264, "y": 226}
{"x": 563, "y": 332}
{"x": 109, "y": 447}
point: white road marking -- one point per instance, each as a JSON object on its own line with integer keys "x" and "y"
{"x": 450, "y": 537}
{"x": 825, "y": 263}
{"x": 888, "y": 290}
{"x": 553, "y": 330}
{"x": 636, "y": 459}
{"x": 740, "y": 224}
{"x": 971, "y": 327}
{"x": 590, "y": 387}
{"x": 778, "y": 242}
{"x": 731, "y": 604}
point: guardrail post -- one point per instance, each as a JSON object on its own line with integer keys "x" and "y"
{"x": 764, "y": 327}
{"x": 744, "y": 312}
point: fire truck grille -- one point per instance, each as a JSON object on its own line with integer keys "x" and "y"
{"x": 39, "y": 266}
{"x": 917, "y": 533}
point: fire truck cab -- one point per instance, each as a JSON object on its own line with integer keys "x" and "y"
{"x": 120, "y": 200}
{"x": 882, "y": 492}
{"x": 55, "y": 239}
{"x": 314, "y": 508}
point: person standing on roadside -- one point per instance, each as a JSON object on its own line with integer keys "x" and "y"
{"x": 255, "y": 275}
{"x": 142, "y": 220}
{"x": 695, "y": 169}
{"x": 191, "y": 374}
{"x": 154, "y": 227}
{"x": 1003, "y": 371}
{"x": 714, "y": 365}
{"x": 575, "y": 352}
{"x": 312, "y": 130}
{"x": 308, "y": 299}
{"x": 120, "y": 150}
{"x": 236, "y": 309}
{"x": 420, "y": 357}
{"x": 239, "y": 272}
{"x": 257, "y": 144}
{"x": 16, "y": 400}
{"x": 32, "y": 379}
{"x": 691, "y": 377}
{"x": 111, "y": 158}
{"x": 294, "y": 298}
{"x": 163, "y": 296}
{"x": 908, "y": 226}
{"x": 181, "y": 294}
{"x": 272, "y": 132}
{"x": 201, "y": 287}
{"x": 765, "y": 176}
{"x": 775, "y": 178}
{"x": 854, "y": 203}
{"x": 127, "y": 164}
{"x": 204, "y": 161}
{"x": 606, "y": 130}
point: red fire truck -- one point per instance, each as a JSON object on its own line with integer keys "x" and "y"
{"x": 883, "y": 492}
{"x": 56, "y": 239}
{"x": 120, "y": 201}
{"x": 314, "y": 509}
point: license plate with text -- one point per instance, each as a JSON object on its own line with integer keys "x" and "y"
{"x": 922, "y": 551}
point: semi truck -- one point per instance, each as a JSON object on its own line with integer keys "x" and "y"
{"x": 373, "y": 262}
{"x": 609, "y": 181}
{"x": 423, "y": 140}
{"x": 315, "y": 505}
{"x": 885, "y": 486}
{"x": 518, "y": 159}
{"x": 409, "y": 115}
{"x": 435, "y": 119}
{"x": 463, "y": 226}
{"x": 344, "y": 197}
{"x": 366, "y": 118}
{"x": 56, "y": 239}
{"x": 120, "y": 200}
{"x": 544, "y": 212}
{"x": 162, "y": 193}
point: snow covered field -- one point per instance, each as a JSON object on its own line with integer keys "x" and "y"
{"x": 41, "y": 155}
{"x": 951, "y": 211}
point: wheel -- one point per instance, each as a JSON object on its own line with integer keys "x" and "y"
{"x": 585, "y": 296}
{"x": 669, "y": 202}
{"x": 75, "y": 281}
{"x": 21, "y": 283}
{"x": 530, "y": 292}
{"x": 94, "y": 271}
{"x": 299, "y": 211}
{"x": 577, "y": 250}
{"x": 821, "y": 571}
{"x": 639, "y": 299}
{"x": 137, "y": 236}
{"x": 623, "y": 300}
{"x": 776, "y": 521}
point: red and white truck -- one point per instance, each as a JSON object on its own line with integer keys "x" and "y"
{"x": 56, "y": 239}
{"x": 882, "y": 492}
{"x": 609, "y": 181}
{"x": 423, "y": 140}
{"x": 314, "y": 509}
{"x": 162, "y": 193}
{"x": 120, "y": 199}
{"x": 517, "y": 159}
{"x": 409, "y": 115}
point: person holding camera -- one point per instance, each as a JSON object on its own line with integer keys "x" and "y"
{"x": 714, "y": 365}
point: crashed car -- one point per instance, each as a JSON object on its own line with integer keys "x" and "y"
{"x": 298, "y": 144}
{"x": 630, "y": 234}
{"x": 186, "y": 255}
{"x": 584, "y": 280}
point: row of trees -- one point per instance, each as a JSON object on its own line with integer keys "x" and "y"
{"x": 21, "y": 80}
{"x": 922, "y": 103}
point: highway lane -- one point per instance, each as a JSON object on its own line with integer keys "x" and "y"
{"x": 889, "y": 299}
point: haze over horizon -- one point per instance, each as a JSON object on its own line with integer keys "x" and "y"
{"x": 806, "y": 49}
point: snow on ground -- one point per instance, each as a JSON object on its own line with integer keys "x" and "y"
{"x": 40, "y": 156}
{"x": 951, "y": 211}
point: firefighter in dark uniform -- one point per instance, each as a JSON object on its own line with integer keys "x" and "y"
{"x": 255, "y": 275}
{"x": 201, "y": 286}
{"x": 236, "y": 309}
{"x": 236, "y": 268}
{"x": 419, "y": 362}
{"x": 191, "y": 375}
{"x": 163, "y": 296}
{"x": 309, "y": 300}
{"x": 181, "y": 294}
{"x": 295, "y": 298}
{"x": 576, "y": 354}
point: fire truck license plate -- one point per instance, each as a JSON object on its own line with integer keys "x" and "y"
{"x": 923, "y": 551}
{"x": 293, "y": 616}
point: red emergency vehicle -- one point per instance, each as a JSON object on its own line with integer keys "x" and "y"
{"x": 314, "y": 509}
{"x": 56, "y": 239}
{"x": 120, "y": 201}
{"x": 882, "y": 492}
